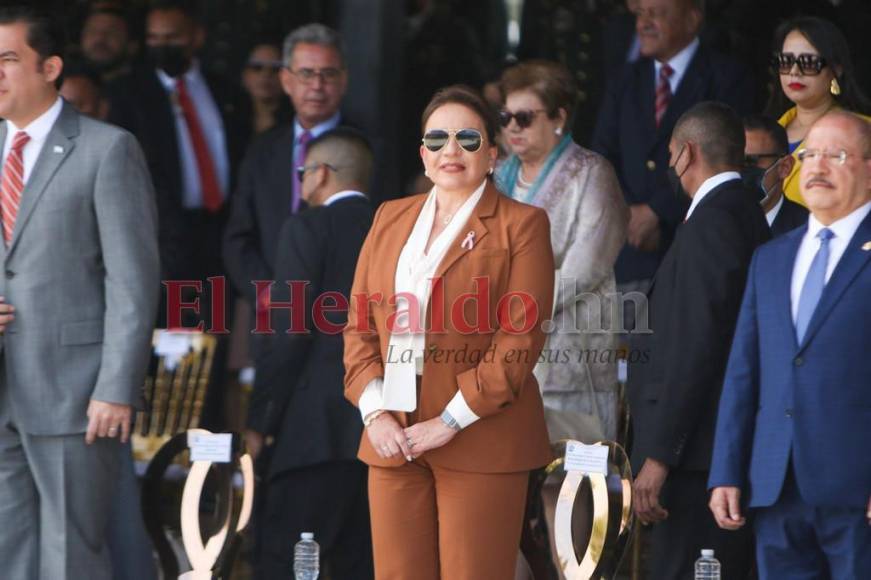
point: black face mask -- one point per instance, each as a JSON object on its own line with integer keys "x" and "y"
{"x": 674, "y": 179}
{"x": 754, "y": 178}
{"x": 170, "y": 58}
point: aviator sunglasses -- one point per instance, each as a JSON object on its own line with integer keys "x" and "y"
{"x": 809, "y": 64}
{"x": 469, "y": 139}
{"x": 524, "y": 117}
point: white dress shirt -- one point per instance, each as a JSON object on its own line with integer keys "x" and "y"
{"x": 708, "y": 186}
{"x": 340, "y": 195}
{"x": 212, "y": 125}
{"x": 679, "y": 64}
{"x": 843, "y": 229}
{"x": 317, "y": 130}
{"x": 771, "y": 214}
{"x": 414, "y": 272}
{"x": 38, "y": 130}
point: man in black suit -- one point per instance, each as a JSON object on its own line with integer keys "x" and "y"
{"x": 315, "y": 79}
{"x": 298, "y": 393}
{"x": 694, "y": 308}
{"x": 766, "y": 155}
{"x": 638, "y": 114}
{"x": 193, "y": 127}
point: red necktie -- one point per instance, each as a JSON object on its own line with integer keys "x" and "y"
{"x": 663, "y": 92}
{"x": 212, "y": 198}
{"x": 12, "y": 184}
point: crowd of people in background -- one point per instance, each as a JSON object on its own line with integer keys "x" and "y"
{"x": 660, "y": 145}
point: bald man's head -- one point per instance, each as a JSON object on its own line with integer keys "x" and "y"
{"x": 342, "y": 159}
{"x": 835, "y": 177}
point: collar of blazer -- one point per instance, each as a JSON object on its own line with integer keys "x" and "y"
{"x": 849, "y": 266}
{"x": 57, "y": 147}
{"x": 396, "y": 229}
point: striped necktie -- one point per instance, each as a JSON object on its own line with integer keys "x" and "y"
{"x": 663, "y": 92}
{"x": 12, "y": 184}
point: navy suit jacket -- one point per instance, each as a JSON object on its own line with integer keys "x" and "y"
{"x": 627, "y": 135}
{"x": 808, "y": 401}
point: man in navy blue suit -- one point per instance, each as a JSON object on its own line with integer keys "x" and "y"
{"x": 638, "y": 114}
{"x": 794, "y": 420}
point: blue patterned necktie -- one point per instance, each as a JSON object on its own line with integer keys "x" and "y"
{"x": 813, "y": 284}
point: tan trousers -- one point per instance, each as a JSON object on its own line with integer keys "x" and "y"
{"x": 430, "y": 523}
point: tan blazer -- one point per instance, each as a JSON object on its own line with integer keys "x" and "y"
{"x": 512, "y": 250}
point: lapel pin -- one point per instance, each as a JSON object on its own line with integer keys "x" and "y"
{"x": 58, "y": 149}
{"x": 866, "y": 246}
{"x": 468, "y": 241}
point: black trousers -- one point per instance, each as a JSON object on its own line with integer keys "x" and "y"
{"x": 328, "y": 499}
{"x": 676, "y": 543}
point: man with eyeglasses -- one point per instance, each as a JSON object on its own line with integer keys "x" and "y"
{"x": 314, "y": 77}
{"x": 298, "y": 393}
{"x": 767, "y": 163}
{"x": 791, "y": 446}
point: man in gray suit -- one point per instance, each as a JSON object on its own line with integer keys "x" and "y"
{"x": 79, "y": 285}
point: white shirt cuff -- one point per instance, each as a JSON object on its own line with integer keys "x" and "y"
{"x": 460, "y": 411}
{"x": 371, "y": 399}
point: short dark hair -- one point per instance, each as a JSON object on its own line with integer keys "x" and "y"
{"x": 77, "y": 68}
{"x": 770, "y": 127}
{"x": 467, "y": 97}
{"x": 717, "y": 129}
{"x": 187, "y": 7}
{"x": 551, "y": 82}
{"x": 45, "y": 32}
{"x": 347, "y": 149}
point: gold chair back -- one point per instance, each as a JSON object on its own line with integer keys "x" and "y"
{"x": 175, "y": 388}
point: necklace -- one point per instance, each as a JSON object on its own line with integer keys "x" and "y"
{"x": 447, "y": 219}
{"x": 523, "y": 182}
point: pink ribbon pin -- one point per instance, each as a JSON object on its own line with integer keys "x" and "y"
{"x": 468, "y": 241}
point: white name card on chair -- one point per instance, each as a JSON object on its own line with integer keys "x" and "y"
{"x": 213, "y": 447}
{"x": 586, "y": 458}
{"x": 173, "y": 346}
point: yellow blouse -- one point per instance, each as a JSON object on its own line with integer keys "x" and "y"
{"x": 790, "y": 184}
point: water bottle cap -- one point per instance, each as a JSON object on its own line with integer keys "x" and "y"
{"x": 311, "y": 536}
{"x": 708, "y": 553}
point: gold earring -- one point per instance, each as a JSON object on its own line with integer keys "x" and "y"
{"x": 835, "y": 87}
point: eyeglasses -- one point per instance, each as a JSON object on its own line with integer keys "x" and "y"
{"x": 259, "y": 66}
{"x": 753, "y": 160}
{"x": 303, "y": 169}
{"x": 524, "y": 117}
{"x": 840, "y": 156}
{"x": 308, "y": 75}
{"x": 469, "y": 139}
{"x": 809, "y": 64}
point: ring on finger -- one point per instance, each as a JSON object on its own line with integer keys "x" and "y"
{"x": 409, "y": 442}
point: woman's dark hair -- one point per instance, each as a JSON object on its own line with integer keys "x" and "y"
{"x": 467, "y": 97}
{"x": 551, "y": 82}
{"x": 832, "y": 46}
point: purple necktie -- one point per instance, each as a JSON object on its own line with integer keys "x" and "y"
{"x": 299, "y": 161}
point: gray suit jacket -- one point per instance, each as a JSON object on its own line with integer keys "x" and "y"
{"x": 82, "y": 272}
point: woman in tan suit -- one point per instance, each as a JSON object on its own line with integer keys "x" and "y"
{"x": 444, "y": 329}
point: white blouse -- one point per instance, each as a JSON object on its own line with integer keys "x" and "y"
{"x": 415, "y": 269}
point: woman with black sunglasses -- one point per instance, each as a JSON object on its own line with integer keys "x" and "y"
{"x": 816, "y": 74}
{"x": 450, "y": 295}
{"x": 580, "y": 192}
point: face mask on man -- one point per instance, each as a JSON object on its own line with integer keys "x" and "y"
{"x": 170, "y": 58}
{"x": 673, "y": 177}
{"x": 754, "y": 178}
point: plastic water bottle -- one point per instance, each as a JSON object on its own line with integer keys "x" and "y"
{"x": 306, "y": 558}
{"x": 707, "y": 567}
